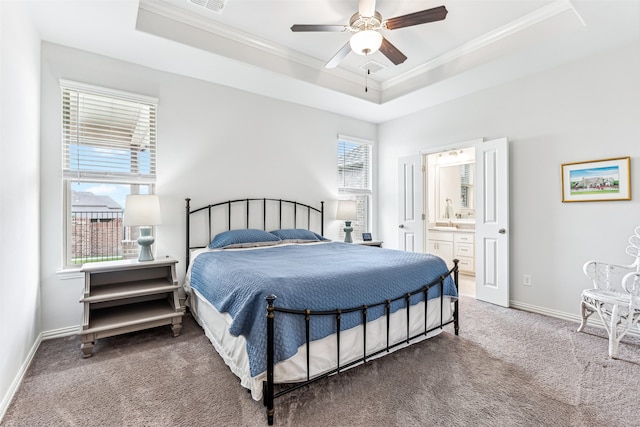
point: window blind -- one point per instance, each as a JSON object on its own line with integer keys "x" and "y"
{"x": 354, "y": 166}
{"x": 465, "y": 174}
{"x": 108, "y": 135}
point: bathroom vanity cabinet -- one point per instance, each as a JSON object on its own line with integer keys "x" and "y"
{"x": 441, "y": 243}
{"x": 450, "y": 245}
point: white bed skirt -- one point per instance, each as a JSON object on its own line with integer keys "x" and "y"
{"x": 323, "y": 352}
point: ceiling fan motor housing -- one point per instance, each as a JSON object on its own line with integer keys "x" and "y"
{"x": 361, "y": 23}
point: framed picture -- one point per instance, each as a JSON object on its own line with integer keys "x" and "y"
{"x": 596, "y": 180}
{"x": 366, "y": 237}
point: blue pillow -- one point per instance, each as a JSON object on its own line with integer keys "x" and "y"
{"x": 243, "y": 239}
{"x": 298, "y": 235}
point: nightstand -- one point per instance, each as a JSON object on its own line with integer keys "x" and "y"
{"x": 127, "y": 296}
{"x": 377, "y": 243}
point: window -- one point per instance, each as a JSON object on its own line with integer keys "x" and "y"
{"x": 109, "y": 151}
{"x": 355, "y": 181}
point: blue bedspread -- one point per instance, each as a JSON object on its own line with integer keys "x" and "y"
{"x": 321, "y": 277}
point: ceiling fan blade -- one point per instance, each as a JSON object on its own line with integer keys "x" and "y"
{"x": 416, "y": 18}
{"x": 366, "y": 8}
{"x": 331, "y": 28}
{"x": 392, "y": 52}
{"x": 339, "y": 56}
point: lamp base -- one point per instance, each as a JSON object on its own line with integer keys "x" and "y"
{"x": 145, "y": 241}
{"x": 347, "y": 232}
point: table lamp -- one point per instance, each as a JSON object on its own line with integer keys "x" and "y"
{"x": 143, "y": 210}
{"x": 347, "y": 211}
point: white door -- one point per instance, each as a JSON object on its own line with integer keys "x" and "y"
{"x": 410, "y": 206}
{"x": 492, "y": 222}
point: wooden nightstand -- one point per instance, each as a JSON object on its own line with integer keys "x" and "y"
{"x": 127, "y": 296}
{"x": 377, "y": 243}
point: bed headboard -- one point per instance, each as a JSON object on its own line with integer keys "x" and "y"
{"x": 267, "y": 214}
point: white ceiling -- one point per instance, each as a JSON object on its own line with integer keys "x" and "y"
{"x": 250, "y": 46}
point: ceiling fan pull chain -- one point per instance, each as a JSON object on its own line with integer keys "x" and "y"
{"x": 366, "y": 76}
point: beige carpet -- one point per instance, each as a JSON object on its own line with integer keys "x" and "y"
{"x": 507, "y": 368}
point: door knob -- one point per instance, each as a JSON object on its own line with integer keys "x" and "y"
{"x": 502, "y": 231}
{"x": 401, "y": 226}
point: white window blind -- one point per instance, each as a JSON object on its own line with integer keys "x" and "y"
{"x": 354, "y": 167}
{"x": 108, "y": 135}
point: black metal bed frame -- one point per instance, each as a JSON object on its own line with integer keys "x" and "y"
{"x": 269, "y": 393}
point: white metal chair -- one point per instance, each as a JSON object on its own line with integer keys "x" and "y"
{"x": 615, "y": 295}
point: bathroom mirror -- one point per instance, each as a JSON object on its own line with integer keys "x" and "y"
{"x": 455, "y": 191}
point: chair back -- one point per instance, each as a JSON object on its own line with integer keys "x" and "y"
{"x": 634, "y": 247}
{"x": 610, "y": 276}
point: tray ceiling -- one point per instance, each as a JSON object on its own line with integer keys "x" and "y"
{"x": 249, "y": 45}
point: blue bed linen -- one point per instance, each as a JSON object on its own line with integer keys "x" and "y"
{"x": 321, "y": 277}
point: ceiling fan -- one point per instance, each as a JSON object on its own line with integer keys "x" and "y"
{"x": 365, "y": 25}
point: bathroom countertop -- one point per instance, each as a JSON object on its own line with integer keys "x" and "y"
{"x": 452, "y": 230}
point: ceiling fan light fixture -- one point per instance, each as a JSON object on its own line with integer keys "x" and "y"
{"x": 366, "y": 42}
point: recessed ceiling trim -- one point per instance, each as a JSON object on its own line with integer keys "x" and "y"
{"x": 535, "y": 17}
{"x": 171, "y": 11}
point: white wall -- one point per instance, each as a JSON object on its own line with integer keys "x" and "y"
{"x": 578, "y": 112}
{"x": 214, "y": 143}
{"x": 19, "y": 196}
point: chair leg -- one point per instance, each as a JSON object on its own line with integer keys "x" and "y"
{"x": 585, "y": 312}
{"x": 614, "y": 335}
{"x": 613, "y": 347}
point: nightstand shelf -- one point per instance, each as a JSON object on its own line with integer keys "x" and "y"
{"x": 122, "y": 316}
{"x": 128, "y": 290}
{"x": 126, "y": 296}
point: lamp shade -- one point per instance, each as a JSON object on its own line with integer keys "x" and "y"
{"x": 347, "y": 210}
{"x": 141, "y": 210}
{"x": 366, "y": 42}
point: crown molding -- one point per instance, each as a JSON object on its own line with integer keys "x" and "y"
{"x": 184, "y": 16}
{"x": 520, "y": 24}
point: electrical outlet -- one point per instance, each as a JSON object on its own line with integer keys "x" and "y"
{"x": 526, "y": 280}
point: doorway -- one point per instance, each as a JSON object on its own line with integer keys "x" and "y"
{"x": 450, "y": 197}
{"x": 420, "y": 233}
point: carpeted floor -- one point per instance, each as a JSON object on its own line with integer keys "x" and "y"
{"x": 507, "y": 368}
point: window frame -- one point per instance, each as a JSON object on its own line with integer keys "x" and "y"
{"x": 145, "y": 179}
{"x": 347, "y": 193}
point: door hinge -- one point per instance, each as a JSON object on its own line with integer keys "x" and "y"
{"x": 424, "y": 168}
{"x": 424, "y": 217}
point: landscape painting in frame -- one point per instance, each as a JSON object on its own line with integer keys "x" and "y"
{"x": 596, "y": 180}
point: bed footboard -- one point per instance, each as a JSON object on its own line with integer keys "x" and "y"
{"x": 306, "y": 315}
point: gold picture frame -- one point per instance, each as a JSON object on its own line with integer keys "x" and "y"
{"x": 597, "y": 180}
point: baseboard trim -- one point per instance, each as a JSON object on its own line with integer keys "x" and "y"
{"x": 548, "y": 312}
{"x": 593, "y": 321}
{"x": 61, "y": 332}
{"x": 8, "y": 397}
